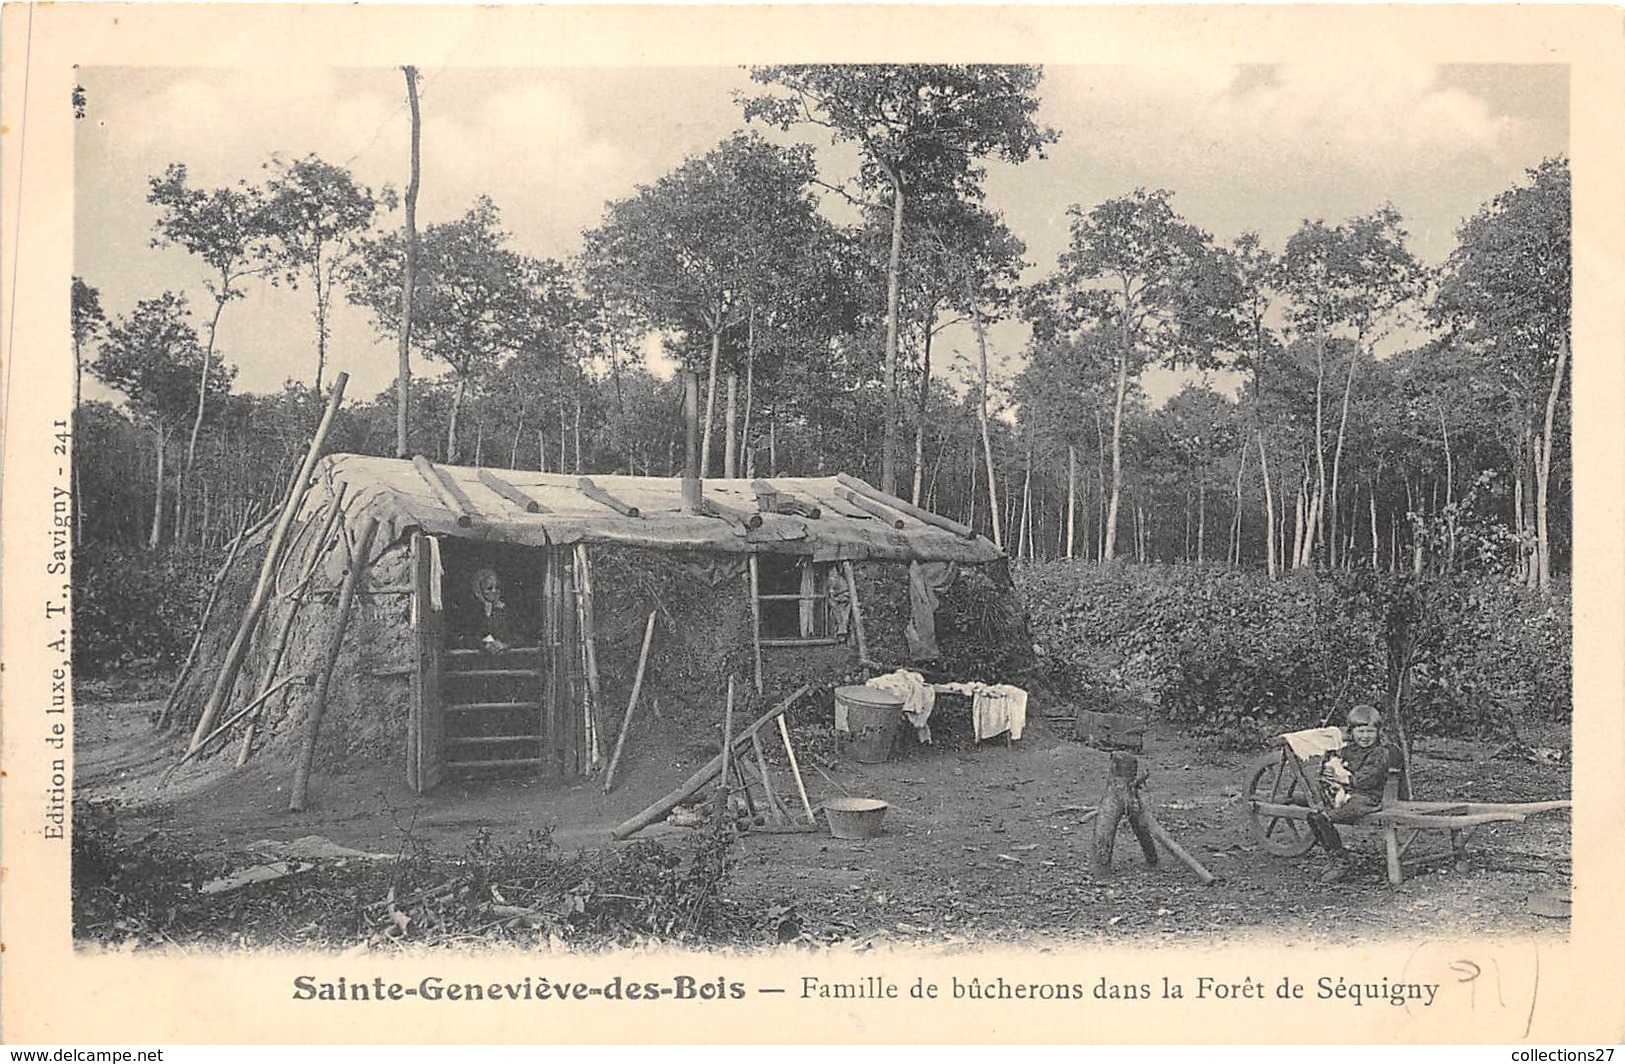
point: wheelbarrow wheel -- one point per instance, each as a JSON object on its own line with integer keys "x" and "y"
{"x": 1271, "y": 779}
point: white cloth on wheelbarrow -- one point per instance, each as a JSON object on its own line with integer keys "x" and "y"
{"x": 1314, "y": 742}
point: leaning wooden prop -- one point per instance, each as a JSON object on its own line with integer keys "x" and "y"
{"x": 1280, "y": 796}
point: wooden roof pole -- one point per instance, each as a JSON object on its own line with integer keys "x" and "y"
{"x": 440, "y": 487}
{"x": 511, "y": 493}
{"x": 318, "y": 706}
{"x": 233, "y": 664}
{"x": 599, "y": 495}
{"x": 870, "y": 507}
{"x": 904, "y": 506}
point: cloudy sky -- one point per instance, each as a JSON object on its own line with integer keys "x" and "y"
{"x": 1253, "y": 147}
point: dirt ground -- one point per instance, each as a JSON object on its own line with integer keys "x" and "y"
{"x": 982, "y": 842}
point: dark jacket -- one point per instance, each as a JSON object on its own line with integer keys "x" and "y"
{"x": 1368, "y": 767}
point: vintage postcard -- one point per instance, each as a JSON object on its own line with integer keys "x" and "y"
{"x": 806, "y": 524}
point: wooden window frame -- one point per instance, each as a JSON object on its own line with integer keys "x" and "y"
{"x": 816, "y": 618}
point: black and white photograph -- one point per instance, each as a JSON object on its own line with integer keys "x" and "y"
{"x": 720, "y": 518}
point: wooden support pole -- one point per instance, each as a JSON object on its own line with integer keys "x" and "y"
{"x": 359, "y": 560}
{"x": 1184, "y": 856}
{"x": 795, "y": 770}
{"x": 589, "y": 643}
{"x": 870, "y": 507}
{"x": 599, "y": 495}
{"x": 851, "y": 573}
{"x": 632, "y": 702}
{"x": 903, "y": 505}
{"x": 703, "y": 775}
{"x": 233, "y": 662}
{"x": 510, "y": 492}
{"x": 775, "y": 810}
{"x": 439, "y": 486}
{"x": 727, "y": 744}
{"x": 755, "y": 618}
{"x": 285, "y": 633}
{"x": 248, "y": 531}
{"x": 259, "y": 700}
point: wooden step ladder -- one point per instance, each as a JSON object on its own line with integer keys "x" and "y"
{"x": 493, "y": 709}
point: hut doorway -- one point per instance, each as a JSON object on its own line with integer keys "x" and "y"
{"x": 502, "y": 659}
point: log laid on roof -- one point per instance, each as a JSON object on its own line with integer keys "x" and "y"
{"x": 740, "y": 519}
{"x": 770, "y": 499}
{"x": 440, "y": 487}
{"x": 599, "y": 495}
{"x": 511, "y": 493}
{"x": 903, "y": 505}
{"x": 870, "y": 507}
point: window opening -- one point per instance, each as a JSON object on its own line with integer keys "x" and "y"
{"x": 793, "y": 596}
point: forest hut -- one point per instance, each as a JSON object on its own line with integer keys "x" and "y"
{"x": 498, "y": 615}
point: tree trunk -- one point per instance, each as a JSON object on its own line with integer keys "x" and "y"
{"x": 1337, "y": 458}
{"x": 403, "y": 368}
{"x": 981, "y": 414}
{"x": 1317, "y": 501}
{"x": 1201, "y": 520}
{"x": 1449, "y": 497}
{"x": 888, "y": 445}
{"x": 1375, "y": 563}
{"x": 1109, "y": 549}
{"x": 747, "y": 455}
{"x": 730, "y": 423}
{"x": 710, "y": 397}
{"x": 920, "y": 412}
{"x": 156, "y": 535}
{"x": 457, "y": 394}
{"x": 1544, "y": 473}
{"x": 1023, "y": 536}
{"x": 1269, "y": 507}
{"x": 1071, "y": 499}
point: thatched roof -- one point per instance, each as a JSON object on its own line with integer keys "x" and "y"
{"x": 482, "y": 504}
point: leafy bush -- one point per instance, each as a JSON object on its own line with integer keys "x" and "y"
{"x": 1236, "y": 656}
{"x": 135, "y": 608}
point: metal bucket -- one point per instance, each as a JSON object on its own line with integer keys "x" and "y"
{"x": 854, "y": 818}
{"x": 867, "y": 720}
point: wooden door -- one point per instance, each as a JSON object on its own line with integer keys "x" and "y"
{"x": 426, "y": 753}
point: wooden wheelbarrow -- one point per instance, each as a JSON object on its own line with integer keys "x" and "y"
{"x": 1279, "y": 794}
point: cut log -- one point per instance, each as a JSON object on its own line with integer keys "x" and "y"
{"x": 704, "y": 775}
{"x": 743, "y": 520}
{"x": 318, "y": 707}
{"x": 604, "y": 498}
{"x": 439, "y": 486}
{"x": 1160, "y": 833}
{"x": 770, "y": 499}
{"x": 233, "y": 663}
{"x": 513, "y": 494}
{"x": 870, "y": 507}
{"x": 904, "y": 506}
{"x": 631, "y": 703}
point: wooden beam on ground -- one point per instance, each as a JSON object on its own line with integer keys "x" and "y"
{"x": 227, "y": 677}
{"x": 703, "y": 775}
{"x": 632, "y": 702}
{"x": 1160, "y": 833}
{"x": 439, "y": 486}
{"x": 795, "y": 770}
{"x": 604, "y": 498}
{"x": 513, "y": 494}
{"x": 903, "y": 505}
{"x": 307, "y": 754}
{"x": 870, "y": 507}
